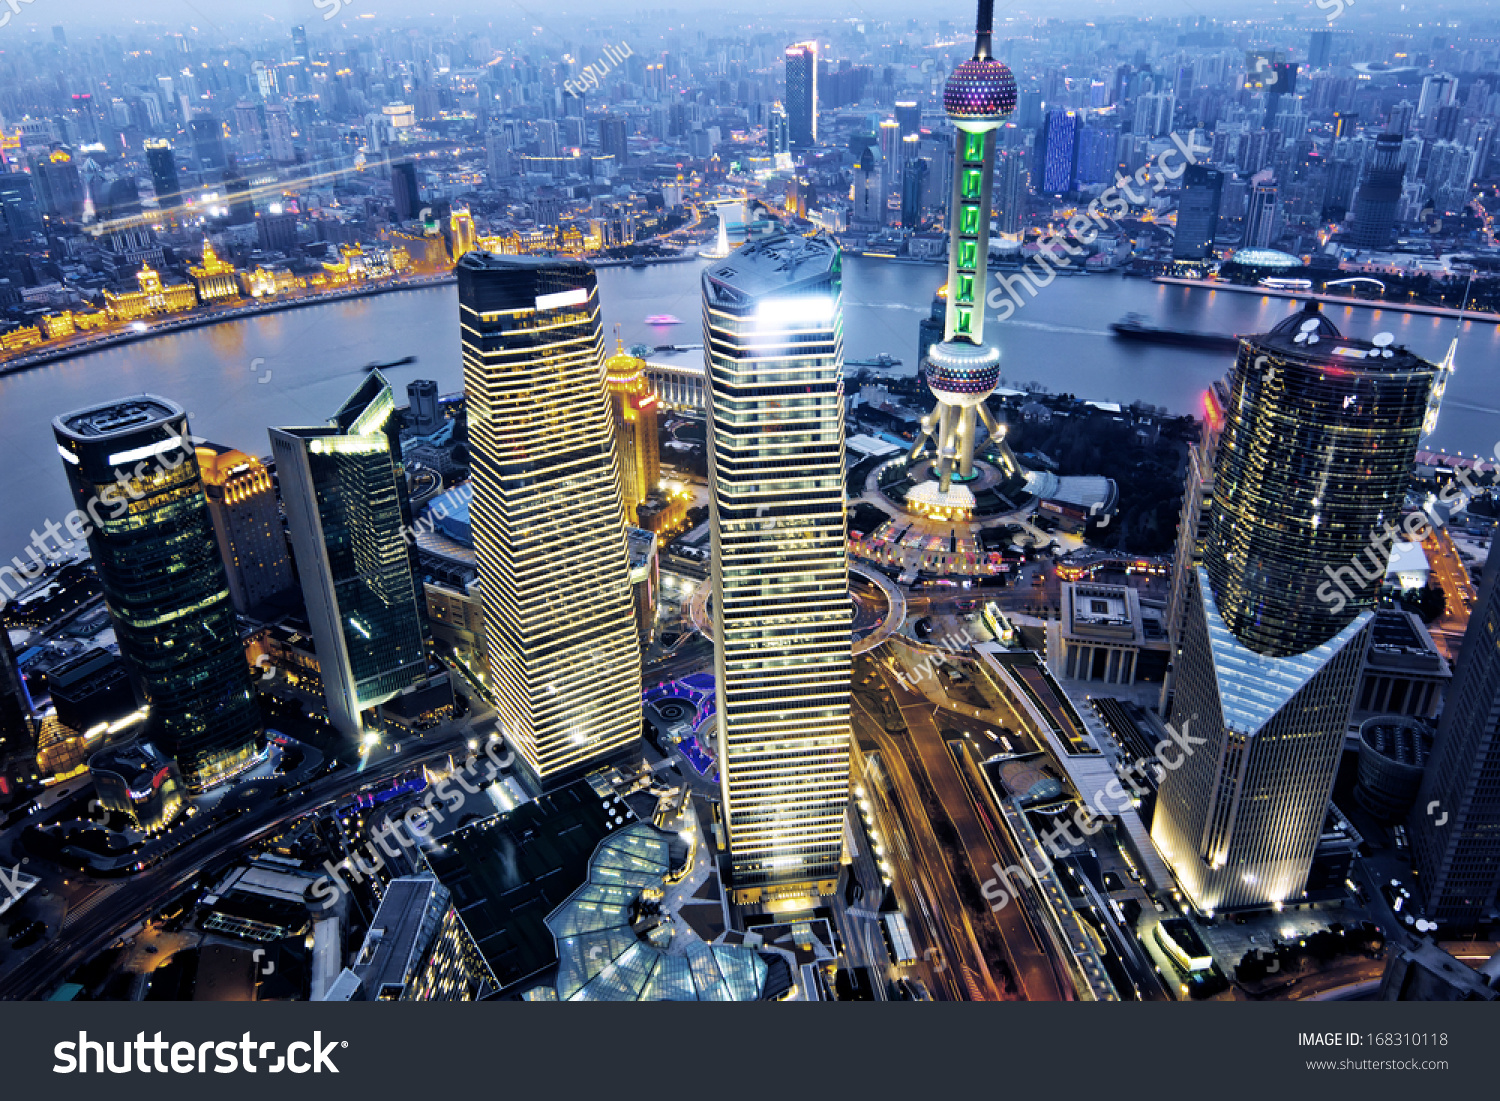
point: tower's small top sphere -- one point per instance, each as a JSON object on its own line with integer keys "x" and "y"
{"x": 980, "y": 90}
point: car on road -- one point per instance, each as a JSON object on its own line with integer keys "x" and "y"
{"x": 28, "y": 934}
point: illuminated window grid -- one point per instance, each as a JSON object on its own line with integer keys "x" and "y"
{"x": 781, "y": 608}
{"x": 549, "y": 535}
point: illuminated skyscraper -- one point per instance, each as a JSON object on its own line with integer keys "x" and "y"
{"x": 802, "y": 94}
{"x": 962, "y": 370}
{"x": 164, "y": 584}
{"x": 1455, "y": 825}
{"x": 246, "y": 515}
{"x": 549, "y": 530}
{"x": 634, "y": 408}
{"x": 773, "y": 332}
{"x": 345, "y": 494}
{"x": 1318, "y": 437}
{"x": 1058, "y": 160}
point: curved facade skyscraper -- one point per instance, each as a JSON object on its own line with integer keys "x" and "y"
{"x": 548, "y": 521}
{"x": 1310, "y": 468}
{"x": 1378, "y": 197}
{"x": 773, "y": 340}
{"x": 153, "y": 546}
{"x": 1315, "y": 455}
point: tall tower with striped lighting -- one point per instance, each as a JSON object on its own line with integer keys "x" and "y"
{"x": 962, "y": 370}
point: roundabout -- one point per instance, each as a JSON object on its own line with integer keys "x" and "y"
{"x": 879, "y": 608}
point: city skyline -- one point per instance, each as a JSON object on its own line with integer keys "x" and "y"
{"x": 813, "y": 506}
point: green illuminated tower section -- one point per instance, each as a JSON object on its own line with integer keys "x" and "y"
{"x": 962, "y": 371}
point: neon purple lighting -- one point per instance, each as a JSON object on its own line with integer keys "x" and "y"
{"x": 980, "y": 88}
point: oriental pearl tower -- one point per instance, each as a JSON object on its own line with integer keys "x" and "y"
{"x": 962, "y": 370}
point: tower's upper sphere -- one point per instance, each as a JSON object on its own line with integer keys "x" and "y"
{"x": 980, "y": 90}
{"x": 962, "y": 374}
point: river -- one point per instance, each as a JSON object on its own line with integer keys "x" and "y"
{"x": 296, "y": 367}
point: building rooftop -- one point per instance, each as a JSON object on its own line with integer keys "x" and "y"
{"x": 409, "y": 913}
{"x": 118, "y": 418}
{"x": 610, "y": 950}
{"x": 1308, "y": 334}
{"x": 508, "y": 874}
{"x": 778, "y": 263}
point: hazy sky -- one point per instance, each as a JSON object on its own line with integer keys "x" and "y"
{"x": 235, "y": 18}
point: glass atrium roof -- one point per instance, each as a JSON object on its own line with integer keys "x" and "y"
{"x": 600, "y": 955}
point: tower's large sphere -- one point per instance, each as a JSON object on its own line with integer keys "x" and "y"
{"x": 981, "y": 90}
{"x": 962, "y": 374}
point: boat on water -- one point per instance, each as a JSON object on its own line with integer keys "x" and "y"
{"x": 404, "y": 361}
{"x": 637, "y": 261}
{"x": 1133, "y": 327}
{"x": 663, "y": 319}
{"x": 883, "y": 360}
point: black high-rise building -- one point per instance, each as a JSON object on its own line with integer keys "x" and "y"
{"x": 1312, "y": 462}
{"x": 208, "y": 143}
{"x": 17, "y": 733}
{"x": 408, "y": 199}
{"x": 19, "y": 214}
{"x": 162, "y": 162}
{"x": 153, "y": 547}
{"x": 1379, "y": 194}
{"x": 913, "y": 176}
{"x": 614, "y": 136}
{"x": 909, "y": 115}
{"x": 1285, "y": 85}
{"x": 1455, "y": 825}
{"x": 344, "y": 488}
{"x": 1198, "y": 212}
{"x": 299, "y": 43}
{"x": 237, "y": 191}
{"x": 802, "y": 94}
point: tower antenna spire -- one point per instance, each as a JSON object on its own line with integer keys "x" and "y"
{"x": 984, "y": 26}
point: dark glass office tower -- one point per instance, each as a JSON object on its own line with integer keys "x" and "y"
{"x": 343, "y": 485}
{"x": 17, "y": 732}
{"x": 1455, "y": 825}
{"x": 406, "y": 195}
{"x": 1379, "y": 195}
{"x": 1198, "y": 212}
{"x": 802, "y": 94}
{"x": 20, "y": 215}
{"x": 1318, "y": 437}
{"x": 131, "y": 467}
{"x": 913, "y": 177}
{"x": 208, "y": 143}
{"x": 1285, "y": 85}
{"x": 548, "y": 518}
{"x": 163, "y": 165}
